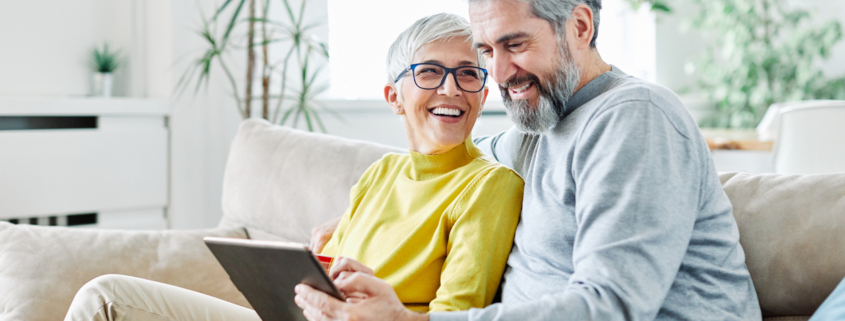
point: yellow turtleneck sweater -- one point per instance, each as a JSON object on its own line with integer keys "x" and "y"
{"x": 438, "y": 228}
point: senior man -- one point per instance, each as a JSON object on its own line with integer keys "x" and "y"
{"x": 623, "y": 218}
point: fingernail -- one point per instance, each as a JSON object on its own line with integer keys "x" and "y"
{"x": 297, "y": 288}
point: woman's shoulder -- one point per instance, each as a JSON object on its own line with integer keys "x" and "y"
{"x": 392, "y": 159}
{"x": 387, "y": 163}
{"x": 488, "y": 168}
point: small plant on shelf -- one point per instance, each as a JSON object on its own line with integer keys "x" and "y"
{"x": 104, "y": 62}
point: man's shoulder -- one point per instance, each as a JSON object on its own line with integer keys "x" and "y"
{"x": 629, "y": 92}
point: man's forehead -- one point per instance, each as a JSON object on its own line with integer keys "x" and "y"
{"x": 493, "y": 20}
{"x": 499, "y": 10}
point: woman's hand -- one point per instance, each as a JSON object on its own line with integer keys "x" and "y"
{"x": 321, "y": 235}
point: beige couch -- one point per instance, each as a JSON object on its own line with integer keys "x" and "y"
{"x": 279, "y": 183}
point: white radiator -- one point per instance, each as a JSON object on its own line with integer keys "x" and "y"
{"x": 103, "y": 162}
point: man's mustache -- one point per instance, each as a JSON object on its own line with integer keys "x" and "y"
{"x": 516, "y": 81}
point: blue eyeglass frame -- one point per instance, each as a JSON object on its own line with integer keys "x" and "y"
{"x": 446, "y": 74}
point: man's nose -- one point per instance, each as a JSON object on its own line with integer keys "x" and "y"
{"x": 449, "y": 87}
{"x": 501, "y": 67}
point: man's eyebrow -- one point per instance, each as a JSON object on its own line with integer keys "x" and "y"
{"x": 511, "y": 36}
{"x": 504, "y": 38}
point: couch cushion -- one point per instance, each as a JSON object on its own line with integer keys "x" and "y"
{"x": 41, "y": 268}
{"x": 281, "y": 182}
{"x": 792, "y": 228}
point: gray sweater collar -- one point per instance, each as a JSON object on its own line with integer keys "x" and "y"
{"x": 593, "y": 89}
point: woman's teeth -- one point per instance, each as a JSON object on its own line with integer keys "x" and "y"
{"x": 440, "y": 111}
{"x": 521, "y": 88}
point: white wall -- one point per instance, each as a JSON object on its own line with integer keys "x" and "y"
{"x": 44, "y": 46}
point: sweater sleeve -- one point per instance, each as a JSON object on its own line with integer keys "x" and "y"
{"x": 504, "y": 147}
{"x": 637, "y": 199}
{"x": 484, "y": 222}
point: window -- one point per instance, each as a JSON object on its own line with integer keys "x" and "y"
{"x": 360, "y": 33}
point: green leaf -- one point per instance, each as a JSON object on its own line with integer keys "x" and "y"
{"x": 661, "y": 8}
{"x": 222, "y": 7}
{"x": 105, "y": 60}
{"x": 232, "y": 22}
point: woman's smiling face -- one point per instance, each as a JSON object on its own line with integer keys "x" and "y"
{"x": 438, "y": 120}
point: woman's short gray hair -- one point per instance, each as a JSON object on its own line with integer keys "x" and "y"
{"x": 441, "y": 26}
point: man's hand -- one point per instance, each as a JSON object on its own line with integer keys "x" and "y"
{"x": 344, "y": 267}
{"x": 381, "y": 303}
{"x": 321, "y": 235}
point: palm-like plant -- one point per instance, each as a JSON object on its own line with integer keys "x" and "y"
{"x": 304, "y": 47}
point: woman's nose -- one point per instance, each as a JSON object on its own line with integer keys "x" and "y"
{"x": 449, "y": 87}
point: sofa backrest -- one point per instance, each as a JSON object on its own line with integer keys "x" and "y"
{"x": 281, "y": 182}
{"x": 792, "y": 228}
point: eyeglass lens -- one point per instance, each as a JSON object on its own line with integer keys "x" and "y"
{"x": 428, "y": 76}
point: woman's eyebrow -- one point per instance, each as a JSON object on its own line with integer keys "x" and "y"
{"x": 462, "y": 63}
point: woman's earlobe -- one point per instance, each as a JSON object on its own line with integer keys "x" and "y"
{"x": 392, "y": 99}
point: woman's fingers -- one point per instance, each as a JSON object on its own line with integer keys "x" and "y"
{"x": 321, "y": 235}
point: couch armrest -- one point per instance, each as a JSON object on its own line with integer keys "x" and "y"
{"x": 41, "y": 268}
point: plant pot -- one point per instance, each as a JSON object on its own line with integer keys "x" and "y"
{"x": 101, "y": 84}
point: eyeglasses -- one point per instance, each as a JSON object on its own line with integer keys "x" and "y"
{"x": 432, "y": 76}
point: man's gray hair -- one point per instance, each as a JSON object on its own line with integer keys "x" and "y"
{"x": 557, "y": 12}
{"x": 441, "y": 26}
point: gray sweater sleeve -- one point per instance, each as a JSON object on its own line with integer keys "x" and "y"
{"x": 637, "y": 181}
{"x": 504, "y": 147}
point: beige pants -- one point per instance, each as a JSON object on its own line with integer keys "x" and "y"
{"x": 118, "y": 297}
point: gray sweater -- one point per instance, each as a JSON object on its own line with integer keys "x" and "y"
{"x": 623, "y": 218}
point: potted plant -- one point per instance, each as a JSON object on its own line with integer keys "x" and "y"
{"x": 295, "y": 73}
{"x": 767, "y": 52}
{"x": 104, "y": 62}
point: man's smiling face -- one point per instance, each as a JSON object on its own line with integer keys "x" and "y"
{"x": 532, "y": 64}
{"x": 520, "y": 48}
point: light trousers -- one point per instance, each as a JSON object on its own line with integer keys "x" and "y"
{"x": 833, "y": 308}
{"x": 119, "y": 297}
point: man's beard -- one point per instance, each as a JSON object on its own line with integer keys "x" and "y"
{"x": 555, "y": 92}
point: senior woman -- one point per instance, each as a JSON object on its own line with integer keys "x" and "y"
{"x": 437, "y": 224}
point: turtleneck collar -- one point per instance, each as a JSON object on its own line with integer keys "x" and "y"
{"x": 425, "y": 167}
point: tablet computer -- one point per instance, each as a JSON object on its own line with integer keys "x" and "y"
{"x": 266, "y": 273}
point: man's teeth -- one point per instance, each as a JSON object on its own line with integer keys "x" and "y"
{"x": 446, "y": 111}
{"x": 521, "y": 88}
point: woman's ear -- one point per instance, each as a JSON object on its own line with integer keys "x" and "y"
{"x": 392, "y": 98}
